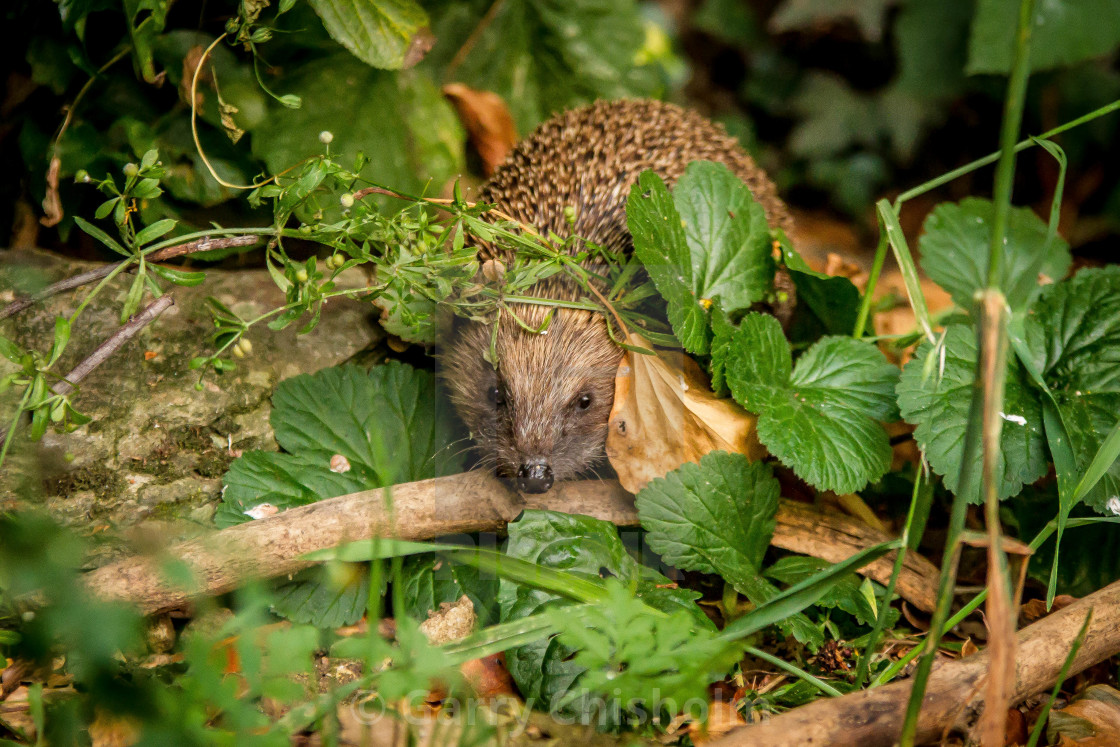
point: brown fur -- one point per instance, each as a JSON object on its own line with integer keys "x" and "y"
{"x": 586, "y": 158}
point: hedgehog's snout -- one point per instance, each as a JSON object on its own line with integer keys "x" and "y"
{"x": 534, "y": 476}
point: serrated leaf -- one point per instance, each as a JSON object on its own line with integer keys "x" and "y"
{"x": 1063, "y": 32}
{"x": 821, "y": 418}
{"x": 284, "y": 480}
{"x": 935, "y": 395}
{"x": 715, "y": 517}
{"x": 585, "y": 547}
{"x": 660, "y": 244}
{"x": 384, "y": 422}
{"x": 718, "y": 517}
{"x": 430, "y": 581}
{"x": 326, "y": 597}
{"x": 1073, "y": 339}
{"x": 639, "y": 659}
{"x": 377, "y": 32}
{"x": 710, "y": 243}
{"x": 954, "y": 252}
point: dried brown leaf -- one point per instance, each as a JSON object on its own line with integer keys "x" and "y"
{"x": 52, "y": 205}
{"x": 488, "y": 122}
{"x": 1093, "y": 719}
{"x": 665, "y": 414}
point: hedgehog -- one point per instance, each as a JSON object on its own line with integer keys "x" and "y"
{"x": 539, "y": 412}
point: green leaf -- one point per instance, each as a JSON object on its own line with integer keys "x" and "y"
{"x": 157, "y": 230}
{"x": 954, "y": 252}
{"x": 547, "y": 55}
{"x": 819, "y": 418}
{"x": 728, "y": 237}
{"x": 637, "y": 658}
{"x": 718, "y": 517}
{"x": 1064, "y": 32}
{"x": 801, "y": 595}
{"x": 410, "y": 134}
{"x": 100, "y": 235}
{"x": 825, "y": 304}
{"x": 283, "y": 480}
{"x": 1073, "y": 339}
{"x": 384, "y": 422}
{"x": 61, "y": 337}
{"x": 715, "y": 517}
{"x": 179, "y": 277}
{"x": 846, "y": 593}
{"x": 430, "y": 581}
{"x": 146, "y": 19}
{"x": 660, "y": 244}
{"x": 709, "y": 243}
{"x": 935, "y": 393}
{"x": 377, "y": 32}
{"x": 327, "y": 597}
{"x": 582, "y": 546}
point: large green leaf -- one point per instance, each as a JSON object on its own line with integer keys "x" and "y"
{"x": 954, "y": 251}
{"x": 399, "y": 120}
{"x": 283, "y": 480}
{"x": 326, "y": 597}
{"x": 821, "y": 417}
{"x": 542, "y": 56}
{"x": 709, "y": 243}
{"x": 1073, "y": 339}
{"x": 718, "y": 516}
{"x": 377, "y": 32}
{"x": 935, "y": 392}
{"x": 1064, "y": 32}
{"x": 637, "y": 658}
{"x": 581, "y": 545}
{"x": 430, "y": 581}
{"x": 384, "y": 423}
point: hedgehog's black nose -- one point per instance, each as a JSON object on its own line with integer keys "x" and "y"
{"x": 534, "y": 476}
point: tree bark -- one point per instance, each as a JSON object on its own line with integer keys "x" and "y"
{"x": 457, "y": 504}
{"x": 955, "y": 694}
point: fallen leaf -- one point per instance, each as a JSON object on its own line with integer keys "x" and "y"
{"x": 1035, "y": 609}
{"x": 1092, "y": 719}
{"x": 488, "y": 122}
{"x": 665, "y": 414}
{"x": 52, "y": 205}
{"x": 150, "y": 355}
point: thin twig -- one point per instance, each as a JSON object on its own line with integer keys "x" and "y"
{"x": 77, "y": 281}
{"x": 125, "y": 333}
{"x": 468, "y": 45}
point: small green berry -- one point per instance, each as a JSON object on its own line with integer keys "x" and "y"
{"x": 82, "y": 177}
{"x": 305, "y": 229}
{"x": 325, "y": 137}
{"x": 347, "y": 200}
{"x": 245, "y": 345}
{"x": 131, "y": 170}
{"x": 238, "y": 352}
{"x": 301, "y": 275}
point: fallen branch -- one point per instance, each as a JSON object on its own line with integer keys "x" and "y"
{"x": 85, "y": 278}
{"x": 458, "y": 504}
{"x": 955, "y": 692}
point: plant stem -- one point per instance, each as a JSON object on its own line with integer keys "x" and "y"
{"x": 872, "y": 281}
{"x": 881, "y": 619}
{"x": 800, "y": 674}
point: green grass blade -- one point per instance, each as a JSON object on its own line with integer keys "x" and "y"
{"x": 1104, "y": 459}
{"x": 1055, "y": 204}
{"x": 1041, "y": 723}
{"x": 797, "y": 672}
{"x": 801, "y": 595}
{"x": 889, "y": 216}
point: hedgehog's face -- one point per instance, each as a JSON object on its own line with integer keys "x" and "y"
{"x": 542, "y": 415}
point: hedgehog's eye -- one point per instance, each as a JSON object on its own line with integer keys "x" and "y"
{"x": 584, "y": 401}
{"x": 497, "y": 397}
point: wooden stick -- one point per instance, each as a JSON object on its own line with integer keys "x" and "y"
{"x": 458, "y": 504}
{"x": 955, "y": 693}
